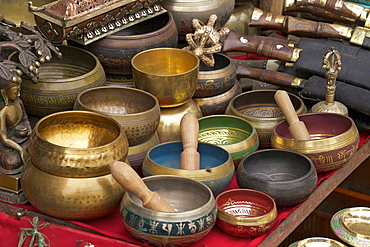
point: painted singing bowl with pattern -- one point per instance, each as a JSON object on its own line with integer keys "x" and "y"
{"x": 217, "y": 79}
{"x": 218, "y": 104}
{"x": 169, "y": 123}
{"x": 77, "y": 144}
{"x": 170, "y": 74}
{"x": 288, "y": 177}
{"x": 216, "y": 165}
{"x": 137, "y": 111}
{"x": 194, "y": 218}
{"x": 245, "y": 212}
{"x": 60, "y": 81}
{"x": 235, "y": 134}
{"x": 261, "y": 110}
{"x": 70, "y": 198}
{"x": 334, "y": 139}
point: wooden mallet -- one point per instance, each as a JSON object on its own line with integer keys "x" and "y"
{"x": 189, "y": 158}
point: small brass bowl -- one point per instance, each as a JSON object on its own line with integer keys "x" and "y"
{"x": 334, "y": 139}
{"x": 317, "y": 241}
{"x": 235, "y": 134}
{"x": 77, "y": 144}
{"x": 216, "y": 165}
{"x": 193, "y": 202}
{"x": 70, "y": 198}
{"x": 170, "y": 74}
{"x": 135, "y": 110}
{"x": 260, "y": 109}
{"x": 60, "y": 81}
{"x": 245, "y": 213}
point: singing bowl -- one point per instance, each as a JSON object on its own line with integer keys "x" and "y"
{"x": 317, "y": 241}
{"x": 261, "y": 110}
{"x": 217, "y": 79}
{"x": 216, "y": 165}
{"x": 245, "y": 213}
{"x": 137, "y": 111}
{"x": 194, "y": 218}
{"x": 169, "y": 123}
{"x": 170, "y": 74}
{"x": 218, "y": 104}
{"x": 334, "y": 139}
{"x": 77, "y": 144}
{"x": 119, "y": 80}
{"x": 70, "y": 198}
{"x": 288, "y": 177}
{"x": 60, "y": 81}
{"x": 234, "y": 134}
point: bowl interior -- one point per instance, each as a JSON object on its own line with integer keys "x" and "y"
{"x": 245, "y": 203}
{"x": 220, "y": 63}
{"x": 78, "y": 130}
{"x": 168, "y": 155}
{"x": 117, "y": 100}
{"x": 276, "y": 165}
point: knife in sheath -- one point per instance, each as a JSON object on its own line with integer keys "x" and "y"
{"x": 356, "y": 98}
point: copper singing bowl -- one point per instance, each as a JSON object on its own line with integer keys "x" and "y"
{"x": 194, "y": 218}
{"x": 70, "y": 198}
{"x": 245, "y": 213}
{"x": 261, "y": 110}
{"x": 135, "y": 110}
{"x": 170, "y": 74}
{"x": 77, "y": 144}
{"x": 60, "y": 81}
{"x": 334, "y": 139}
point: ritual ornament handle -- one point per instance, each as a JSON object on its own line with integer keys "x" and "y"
{"x": 127, "y": 177}
{"x": 190, "y": 157}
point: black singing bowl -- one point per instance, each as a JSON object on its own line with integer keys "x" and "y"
{"x": 288, "y": 177}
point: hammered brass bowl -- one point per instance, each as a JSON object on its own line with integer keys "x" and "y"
{"x": 170, "y": 74}
{"x": 70, "y": 198}
{"x": 60, "y": 81}
{"x": 245, "y": 213}
{"x": 235, "y": 134}
{"x": 261, "y": 110}
{"x": 334, "y": 139}
{"x": 135, "y": 110}
{"x": 216, "y": 165}
{"x": 77, "y": 144}
{"x": 193, "y": 202}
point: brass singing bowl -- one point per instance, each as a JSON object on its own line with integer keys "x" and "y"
{"x": 261, "y": 110}
{"x": 334, "y": 139}
{"x": 135, "y": 110}
{"x": 170, "y": 74}
{"x": 77, "y": 144}
{"x": 193, "y": 202}
{"x": 70, "y": 198}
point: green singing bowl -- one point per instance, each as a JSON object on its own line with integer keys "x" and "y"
{"x": 170, "y": 74}
{"x": 235, "y": 134}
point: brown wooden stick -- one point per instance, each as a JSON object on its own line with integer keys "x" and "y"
{"x": 190, "y": 158}
{"x": 127, "y": 177}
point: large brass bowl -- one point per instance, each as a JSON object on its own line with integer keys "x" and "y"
{"x": 261, "y": 110}
{"x": 135, "y": 110}
{"x": 170, "y": 74}
{"x": 195, "y": 214}
{"x": 334, "y": 139}
{"x": 70, "y": 198}
{"x": 77, "y": 144}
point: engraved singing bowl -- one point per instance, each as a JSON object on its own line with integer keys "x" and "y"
{"x": 216, "y": 165}
{"x": 170, "y": 74}
{"x": 288, "y": 177}
{"x": 217, "y": 79}
{"x": 245, "y": 213}
{"x": 261, "y": 110}
{"x": 60, "y": 81}
{"x": 169, "y": 123}
{"x": 334, "y": 139}
{"x": 137, "y": 111}
{"x": 235, "y": 134}
{"x": 70, "y": 198}
{"x": 194, "y": 218}
{"x": 77, "y": 144}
